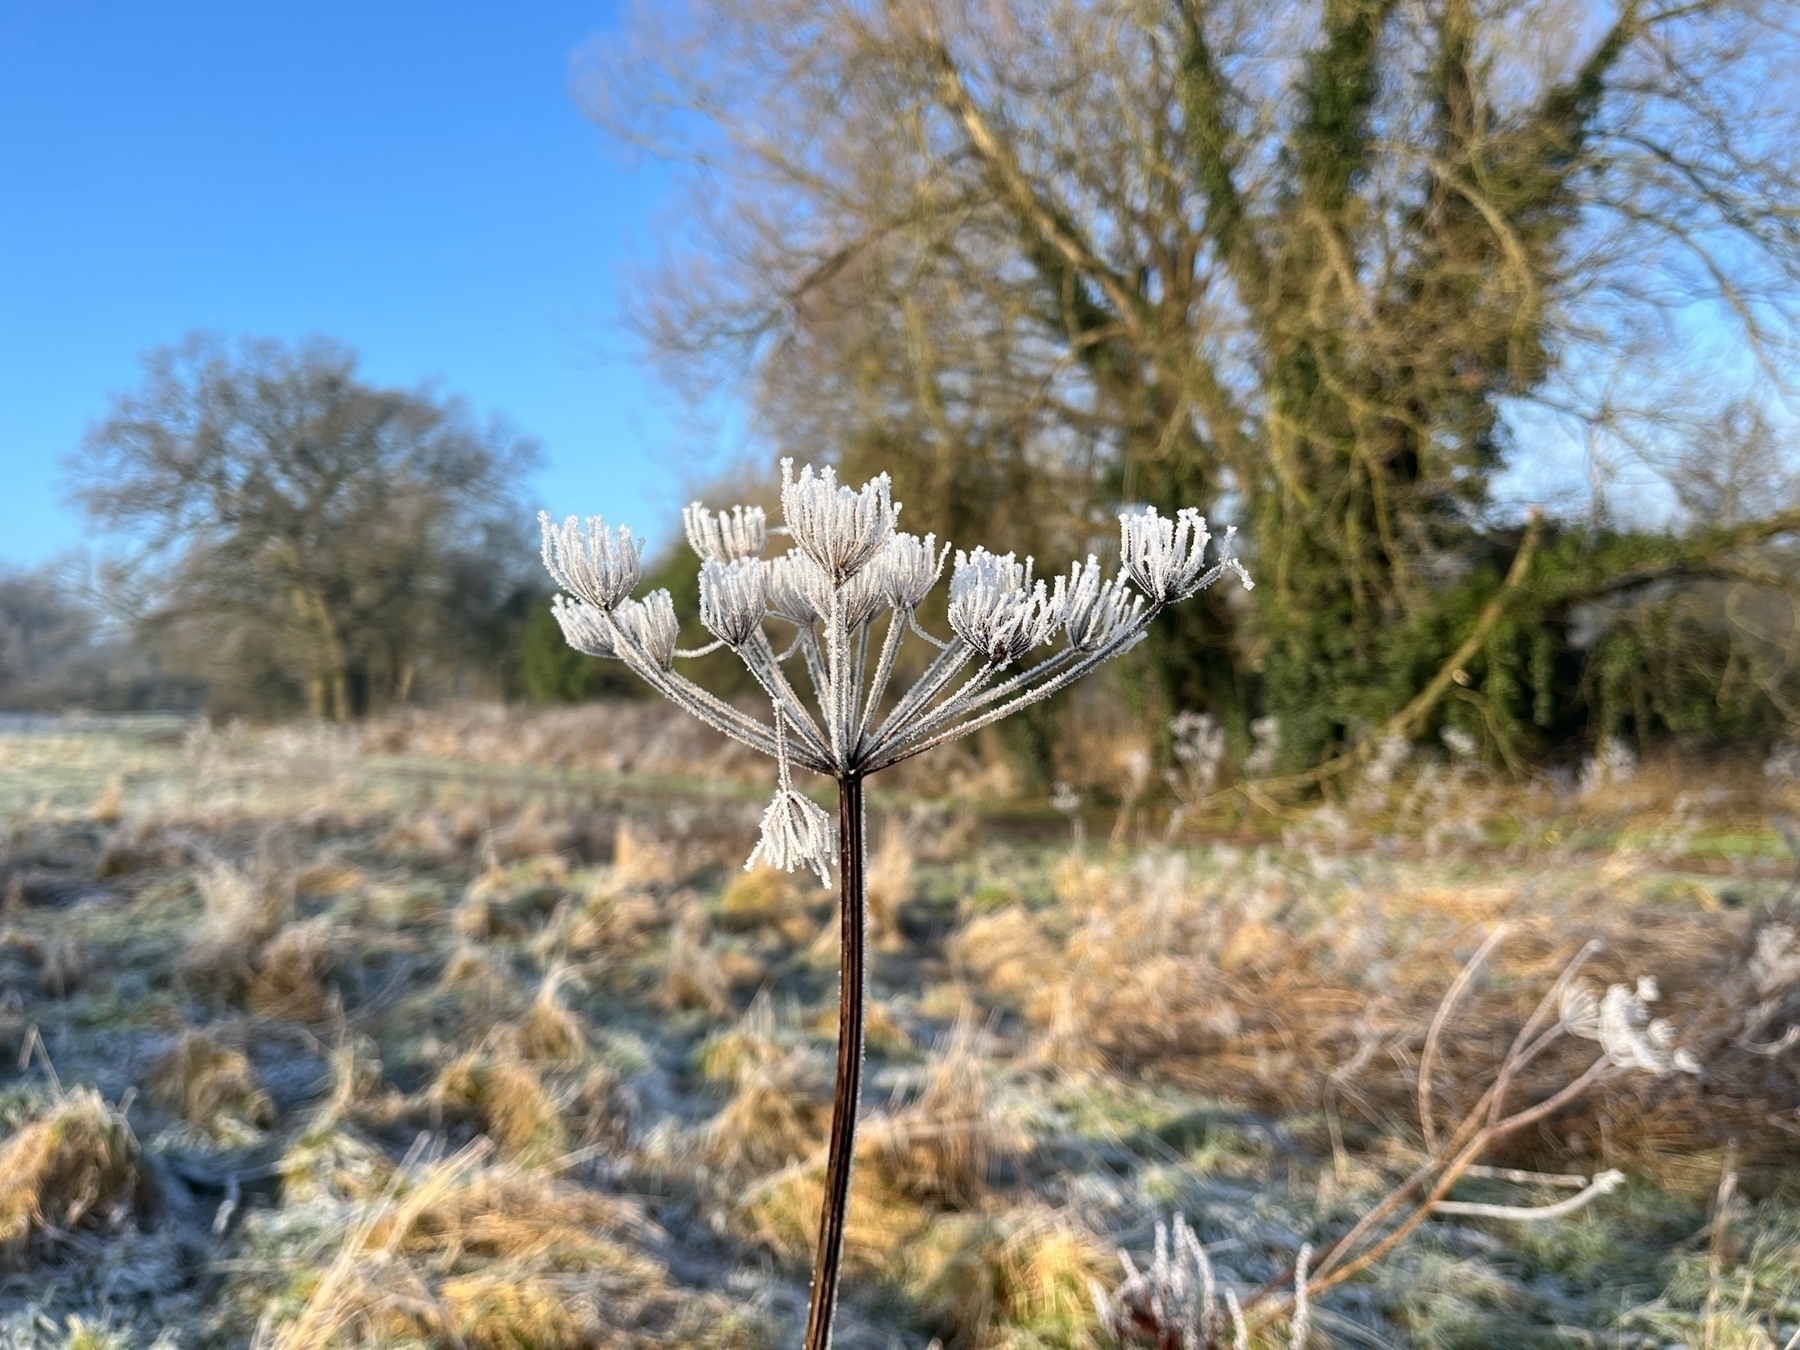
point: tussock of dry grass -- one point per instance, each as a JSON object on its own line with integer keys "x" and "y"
{"x": 781, "y": 1214}
{"x": 602, "y": 1112}
{"x": 550, "y": 1033}
{"x": 209, "y": 1085}
{"x": 641, "y": 860}
{"x": 329, "y": 877}
{"x": 752, "y": 1043}
{"x": 491, "y": 1257}
{"x": 529, "y": 834}
{"x": 695, "y": 978}
{"x": 766, "y": 897}
{"x": 890, "y": 886}
{"x": 779, "y": 1112}
{"x": 240, "y": 911}
{"x": 75, "y": 1166}
{"x": 615, "y": 924}
{"x": 472, "y": 970}
{"x": 1007, "y": 953}
{"x": 500, "y": 1095}
{"x": 943, "y": 1147}
{"x": 292, "y": 970}
{"x": 975, "y": 1277}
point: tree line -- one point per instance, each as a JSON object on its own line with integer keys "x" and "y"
{"x": 1333, "y": 269}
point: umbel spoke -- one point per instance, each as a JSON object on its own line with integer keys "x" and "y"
{"x": 848, "y": 569}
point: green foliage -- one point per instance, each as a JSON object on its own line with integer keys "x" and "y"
{"x": 551, "y": 671}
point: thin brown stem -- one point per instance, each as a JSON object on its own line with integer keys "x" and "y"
{"x": 828, "y": 1261}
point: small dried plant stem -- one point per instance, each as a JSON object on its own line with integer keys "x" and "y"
{"x": 841, "y": 1154}
{"x": 1445, "y": 1007}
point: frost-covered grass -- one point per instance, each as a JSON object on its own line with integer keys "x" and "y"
{"x": 344, "y": 1053}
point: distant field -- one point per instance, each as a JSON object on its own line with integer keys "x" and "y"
{"x": 472, "y": 1031}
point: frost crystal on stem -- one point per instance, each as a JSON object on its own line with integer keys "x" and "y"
{"x": 848, "y": 579}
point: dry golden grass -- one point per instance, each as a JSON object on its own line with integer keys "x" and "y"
{"x": 1007, "y": 953}
{"x": 550, "y": 1033}
{"x": 74, "y": 1166}
{"x": 329, "y": 877}
{"x": 529, "y": 834}
{"x": 457, "y": 1253}
{"x": 766, "y": 897}
{"x": 943, "y": 1147}
{"x": 614, "y": 924}
{"x": 1131, "y": 1033}
{"x": 292, "y": 970}
{"x": 472, "y": 971}
{"x": 109, "y": 806}
{"x": 497, "y": 1093}
{"x": 602, "y": 1111}
{"x": 240, "y": 911}
{"x": 890, "y": 886}
{"x": 778, "y": 1113}
{"x": 641, "y": 860}
{"x": 694, "y": 977}
{"x": 976, "y": 1276}
{"x": 781, "y": 1214}
{"x": 209, "y": 1085}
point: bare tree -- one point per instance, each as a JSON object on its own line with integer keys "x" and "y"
{"x": 303, "y": 518}
{"x": 1322, "y": 263}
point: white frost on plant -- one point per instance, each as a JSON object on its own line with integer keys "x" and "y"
{"x": 1620, "y": 1021}
{"x": 1167, "y": 558}
{"x": 796, "y": 830}
{"x": 652, "y": 624}
{"x": 584, "y": 627}
{"x": 996, "y": 607}
{"x": 839, "y": 528}
{"x": 734, "y": 597}
{"x": 909, "y": 567}
{"x": 741, "y": 535}
{"x": 851, "y": 587}
{"x": 1094, "y": 611}
{"x": 591, "y": 561}
{"x": 793, "y": 580}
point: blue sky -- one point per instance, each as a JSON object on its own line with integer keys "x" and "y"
{"x": 411, "y": 179}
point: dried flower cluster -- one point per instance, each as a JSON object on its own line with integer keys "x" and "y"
{"x": 1620, "y": 1021}
{"x": 848, "y": 569}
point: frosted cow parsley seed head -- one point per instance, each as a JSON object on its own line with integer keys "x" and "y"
{"x": 722, "y": 537}
{"x": 584, "y": 627}
{"x": 793, "y": 580}
{"x": 908, "y": 568}
{"x": 1620, "y": 1021}
{"x": 733, "y": 599}
{"x": 652, "y": 625}
{"x": 850, "y": 588}
{"x": 1167, "y": 558}
{"x": 1095, "y": 610}
{"x": 796, "y": 832}
{"x": 591, "y": 562}
{"x": 998, "y": 609}
{"x": 840, "y": 528}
